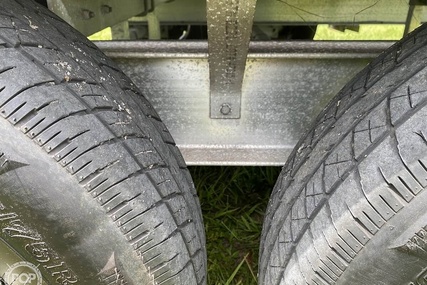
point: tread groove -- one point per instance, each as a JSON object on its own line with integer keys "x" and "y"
{"x": 22, "y": 90}
{"x": 176, "y": 274}
{"x": 3, "y": 70}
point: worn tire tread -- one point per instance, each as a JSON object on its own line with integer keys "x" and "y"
{"x": 99, "y": 127}
{"x": 351, "y": 129}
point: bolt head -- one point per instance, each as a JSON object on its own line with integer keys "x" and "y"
{"x": 105, "y": 9}
{"x": 225, "y": 109}
{"x": 87, "y": 14}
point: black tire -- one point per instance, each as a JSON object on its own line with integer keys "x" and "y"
{"x": 93, "y": 189}
{"x": 350, "y": 204}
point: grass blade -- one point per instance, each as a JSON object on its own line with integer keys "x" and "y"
{"x": 236, "y": 270}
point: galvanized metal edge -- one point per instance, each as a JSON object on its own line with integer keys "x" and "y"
{"x": 268, "y": 49}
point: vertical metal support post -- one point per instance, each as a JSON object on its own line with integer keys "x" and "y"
{"x": 154, "y": 32}
{"x": 229, "y": 32}
{"x": 120, "y": 31}
{"x": 413, "y": 18}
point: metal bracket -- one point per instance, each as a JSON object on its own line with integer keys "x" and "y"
{"x": 229, "y": 32}
{"x": 90, "y": 16}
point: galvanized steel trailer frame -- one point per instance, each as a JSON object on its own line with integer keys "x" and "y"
{"x": 285, "y": 84}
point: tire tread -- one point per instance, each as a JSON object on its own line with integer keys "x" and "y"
{"x": 104, "y": 132}
{"x": 328, "y": 156}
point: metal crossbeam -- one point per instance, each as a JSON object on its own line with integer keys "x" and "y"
{"x": 288, "y": 84}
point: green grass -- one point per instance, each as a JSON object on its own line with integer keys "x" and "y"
{"x": 366, "y": 32}
{"x": 233, "y": 202}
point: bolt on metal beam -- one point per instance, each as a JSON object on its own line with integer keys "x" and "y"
{"x": 229, "y": 32}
